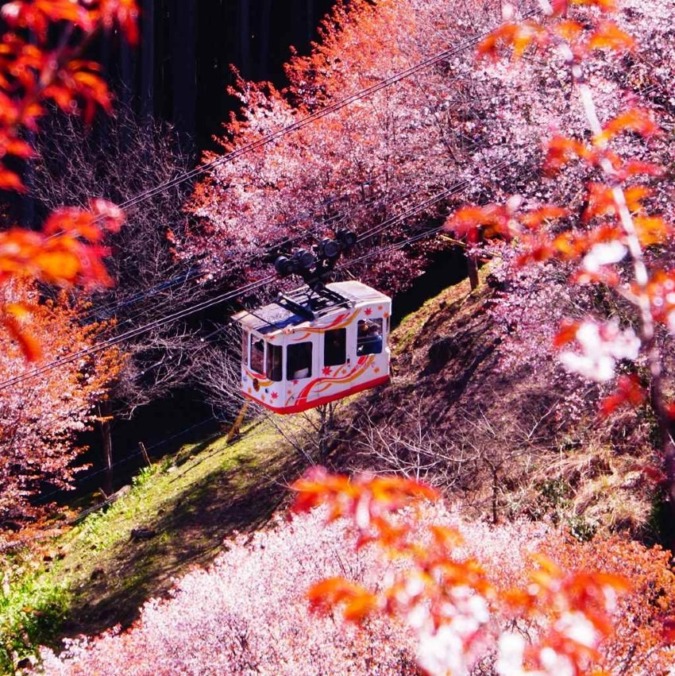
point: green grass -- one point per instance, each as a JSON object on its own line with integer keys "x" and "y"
{"x": 413, "y": 325}
{"x": 32, "y": 610}
{"x": 97, "y": 575}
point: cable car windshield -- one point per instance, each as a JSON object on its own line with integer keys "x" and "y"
{"x": 257, "y": 355}
{"x": 273, "y": 370}
{"x": 369, "y": 337}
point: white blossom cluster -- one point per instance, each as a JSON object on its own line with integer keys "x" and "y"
{"x": 248, "y": 612}
{"x": 601, "y": 347}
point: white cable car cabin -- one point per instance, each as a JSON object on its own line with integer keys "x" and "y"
{"x": 310, "y": 348}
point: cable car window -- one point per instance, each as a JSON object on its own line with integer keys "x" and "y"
{"x": 369, "y": 337}
{"x": 299, "y": 364}
{"x": 245, "y": 340}
{"x": 273, "y": 370}
{"x": 335, "y": 347}
{"x": 257, "y": 355}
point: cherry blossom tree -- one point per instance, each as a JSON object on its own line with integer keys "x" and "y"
{"x": 611, "y": 241}
{"x": 122, "y": 157}
{"x": 557, "y": 611}
{"x": 249, "y": 613}
{"x": 40, "y": 418}
{"x": 365, "y": 163}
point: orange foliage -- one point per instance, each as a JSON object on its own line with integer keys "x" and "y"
{"x": 609, "y": 36}
{"x": 519, "y": 36}
{"x": 557, "y": 600}
{"x": 578, "y": 604}
{"x": 68, "y": 250}
{"x": 40, "y": 417}
{"x": 33, "y": 73}
{"x": 367, "y": 500}
{"x": 491, "y": 220}
{"x": 628, "y": 392}
{"x": 637, "y": 120}
{"x": 661, "y": 293}
{"x": 641, "y": 642}
{"x": 357, "y": 602}
{"x": 560, "y": 150}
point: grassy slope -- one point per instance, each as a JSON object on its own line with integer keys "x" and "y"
{"x": 190, "y": 502}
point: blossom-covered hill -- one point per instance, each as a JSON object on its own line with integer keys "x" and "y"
{"x": 453, "y": 405}
{"x": 248, "y": 612}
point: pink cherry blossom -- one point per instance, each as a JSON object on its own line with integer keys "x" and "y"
{"x": 601, "y": 346}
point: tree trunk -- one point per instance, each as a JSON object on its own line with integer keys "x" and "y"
{"x": 326, "y": 419}
{"x": 245, "y": 37}
{"x": 184, "y": 59}
{"x": 147, "y": 103}
{"x": 105, "y": 415}
{"x": 472, "y": 267}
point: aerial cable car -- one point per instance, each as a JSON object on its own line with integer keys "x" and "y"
{"x": 319, "y": 343}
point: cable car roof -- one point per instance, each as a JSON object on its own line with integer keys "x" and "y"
{"x": 305, "y": 306}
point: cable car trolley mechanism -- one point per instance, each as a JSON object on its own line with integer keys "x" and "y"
{"x": 319, "y": 343}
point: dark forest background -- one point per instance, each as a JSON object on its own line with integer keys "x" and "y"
{"x": 180, "y": 70}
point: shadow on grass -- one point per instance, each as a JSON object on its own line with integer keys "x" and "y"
{"x": 190, "y": 531}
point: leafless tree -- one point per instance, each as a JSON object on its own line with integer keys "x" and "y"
{"x": 507, "y": 456}
{"x": 218, "y": 374}
{"x": 412, "y": 447}
{"x": 121, "y": 158}
{"x": 481, "y": 458}
{"x": 312, "y": 433}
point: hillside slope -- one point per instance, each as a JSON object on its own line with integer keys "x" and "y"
{"x": 454, "y": 414}
{"x": 505, "y": 436}
{"x": 455, "y": 407}
{"x": 175, "y": 515}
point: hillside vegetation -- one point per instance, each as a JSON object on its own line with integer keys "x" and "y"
{"x": 184, "y": 510}
{"x": 175, "y": 515}
{"x": 513, "y": 433}
{"x": 497, "y": 434}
